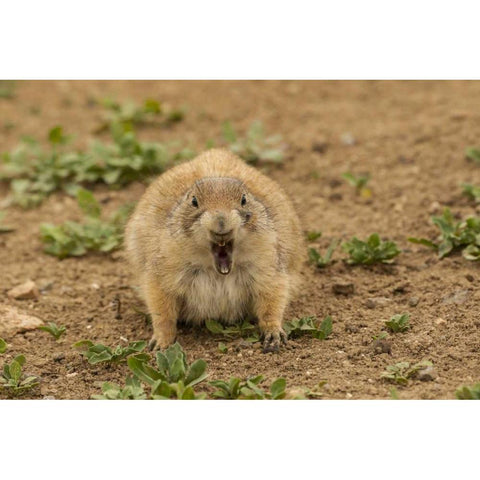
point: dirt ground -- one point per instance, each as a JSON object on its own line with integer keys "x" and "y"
{"x": 410, "y": 136}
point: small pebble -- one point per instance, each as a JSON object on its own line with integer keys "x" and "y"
{"x": 413, "y": 301}
{"x": 376, "y": 302}
{"x": 25, "y": 291}
{"x": 343, "y": 288}
{"x": 58, "y": 357}
{"x": 469, "y": 277}
{"x": 348, "y": 139}
{"x": 427, "y": 374}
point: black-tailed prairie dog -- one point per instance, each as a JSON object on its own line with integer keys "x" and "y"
{"x": 214, "y": 238}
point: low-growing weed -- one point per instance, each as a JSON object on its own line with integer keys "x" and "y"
{"x": 248, "y": 389}
{"x": 473, "y": 153}
{"x": 133, "y": 390}
{"x": 299, "y": 326}
{"x": 123, "y": 117}
{"x": 322, "y": 261}
{"x": 34, "y": 172}
{"x": 3, "y": 346}
{"x": 455, "y": 235}
{"x": 14, "y": 380}
{"x": 246, "y": 330}
{"x": 398, "y": 323}
{"x": 468, "y": 393}
{"x": 401, "y": 372}
{"x": 372, "y": 251}
{"x": 359, "y": 182}
{"x": 173, "y": 377}
{"x": 98, "y": 353}
{"x": 4, "y": 228}
{"x": 72, "y": 239}
{"x": 255, "y": 147}
{"x": 471, "y": 191}
{"x": 53, "y": 329}
{"x": 7, "y": 88}
{"x": 313, "y": 235}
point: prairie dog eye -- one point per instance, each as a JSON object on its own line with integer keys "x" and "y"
{"x": 244, "y": 200}
{"x": 195, "y": 202}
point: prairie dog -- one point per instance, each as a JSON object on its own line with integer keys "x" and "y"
{"x": 214, "y": 238}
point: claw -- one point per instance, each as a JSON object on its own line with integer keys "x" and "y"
{"x": 273, "y": 340}
{"x": 155, "y": 344}
{"x": 152, "y": 344}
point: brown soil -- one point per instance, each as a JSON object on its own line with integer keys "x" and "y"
{"x": 409, "y": 135}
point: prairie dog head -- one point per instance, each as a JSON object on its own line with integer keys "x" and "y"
{"x": 219, "y": 214}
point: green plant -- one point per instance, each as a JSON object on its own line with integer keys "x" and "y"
{"x": 248, "y": 389}
{"x": 222, "y": 348}
{"x": 298, "y": 326}
{"x": 33, "y": 173}
{"x": 173, "y": 377}
{"x": 98, "y": 353}
{"x": 123, "y": 117}
{"x": 245, "y": 330}
{"x": 455, "y": 235}
{"x": 7, "y": 88}
{"x": 380, "y": 336}
{"x": 322, "y": 261}
{"x": 468, "y": 393}
{"x": 313, "y": 235}
{"x": 3, "y": 346}
{"x": 4, "y": 228}
{"x": 72, "y": 239}
{"x": 54, "y": 329}
{"x": 398, "y": 323}
{"x": 473, "y": 153}
{"x": 254, "y": 147}
{"x": 471, "y": 191}
{"x": 133, "y": 390}
{"x": 359, "y": 183}
{"x": 401, "y": 372}
{"x": 13, "y": 378}
{"x": 372, "y": 251}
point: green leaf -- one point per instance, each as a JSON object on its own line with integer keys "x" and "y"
{"x": 152, "y": 106}
{"x": 277, "y": 388}
{"x": 88, "y": 203}
{"x": 55, "y": 136}
{"x": 20, "y": 359}
{"x": 473, "y": 154}
{"x": 143, "y": 371}
{"x": 398, "y": 323}
{"x": 228, "y": 132}
{"x": 83, "y": 344}
{"x": 15, "y": 372}
{"x": 3, "y": 346}
{"x": 423, "y": 241}
{"x": 313, "y": 235}
{"x": 214, "y": 326}
{"x": 196, "y": 373}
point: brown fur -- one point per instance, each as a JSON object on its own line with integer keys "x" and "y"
{"x": 169, "y": 245}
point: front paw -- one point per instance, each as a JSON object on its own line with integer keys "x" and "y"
{"x": 161, "y": 342}
{"x": 273, "y": 340}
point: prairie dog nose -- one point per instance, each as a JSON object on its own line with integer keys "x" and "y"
{"x": 219, "y": 223}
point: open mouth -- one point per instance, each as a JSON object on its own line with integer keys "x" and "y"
{"x": 222, "y": 256}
